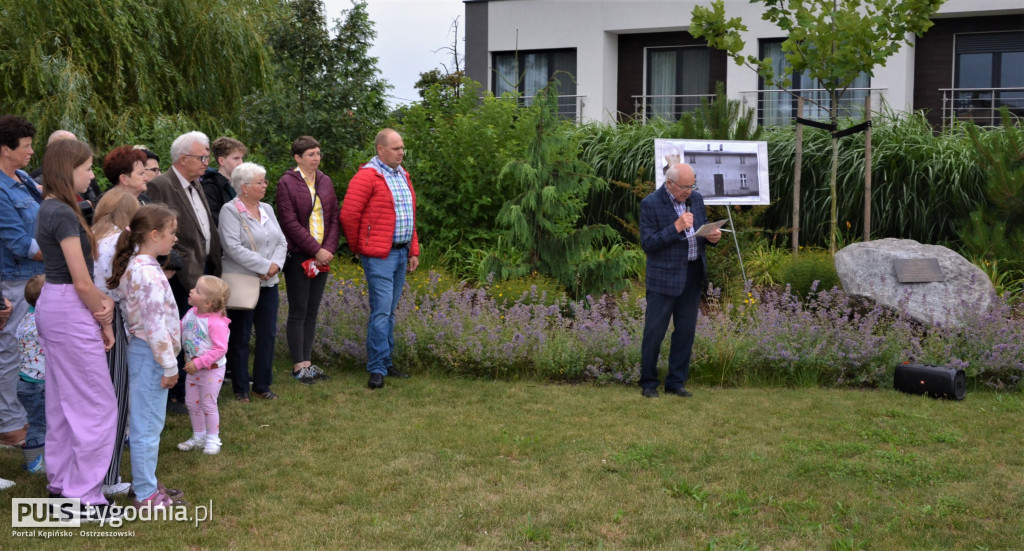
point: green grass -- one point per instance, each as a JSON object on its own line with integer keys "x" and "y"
{"x": 434, "y": 463}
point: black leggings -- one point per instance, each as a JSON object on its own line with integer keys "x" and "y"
{"x": 304, "y": 295}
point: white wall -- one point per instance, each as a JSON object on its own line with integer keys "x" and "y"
{"x": 592, "y": 27}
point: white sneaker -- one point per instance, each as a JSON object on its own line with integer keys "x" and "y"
{"x": 212, "y": 445}
{"x": 4, "y": 483}
{"x": 116, "y": 489}
{"x": 197, "y": 441}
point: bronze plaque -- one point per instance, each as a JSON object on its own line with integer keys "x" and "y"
{"x": 918, "y": 270}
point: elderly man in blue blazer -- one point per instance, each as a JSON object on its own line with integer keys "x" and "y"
{"x": 675, "y": 276}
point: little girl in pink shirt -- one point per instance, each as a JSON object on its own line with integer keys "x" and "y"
{"x": 204, "y": 336}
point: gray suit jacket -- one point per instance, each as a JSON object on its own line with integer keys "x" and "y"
{"x": 167, "y": 189}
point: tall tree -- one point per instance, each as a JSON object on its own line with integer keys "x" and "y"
{"x": 831, "y": 41}
{"x": 114, "y": 70}
{"x": 325, "y": 86}
{"x": 543, "y": 219}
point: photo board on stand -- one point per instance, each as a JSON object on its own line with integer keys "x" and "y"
{"x": 729, "y": 172}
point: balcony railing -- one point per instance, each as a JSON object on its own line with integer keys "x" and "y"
{"x": 668, "y": 107}
{"x": 569, "y": 107}
{"x": 980, "y": 105}
{"x": 776, "y": 107}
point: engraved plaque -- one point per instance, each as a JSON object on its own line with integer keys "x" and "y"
{"x": 918, "y": 270}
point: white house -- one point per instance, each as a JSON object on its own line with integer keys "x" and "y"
{"x": 636, "y": 58}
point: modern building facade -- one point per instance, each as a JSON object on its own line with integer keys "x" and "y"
{"x": 615, "y": 59}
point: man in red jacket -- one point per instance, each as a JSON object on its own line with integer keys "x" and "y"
{"x": 378, "y": 218}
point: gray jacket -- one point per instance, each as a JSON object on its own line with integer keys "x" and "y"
{"x": 239, "y": 255}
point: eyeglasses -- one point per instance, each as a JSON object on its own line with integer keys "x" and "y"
{"x": 684, "y": 188}
{"x": 202, "y": 158}
{"x": 262, "y": 182}
{"x": 154, "y": 170}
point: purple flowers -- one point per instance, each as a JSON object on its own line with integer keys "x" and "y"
{"x": 770, "y": 338}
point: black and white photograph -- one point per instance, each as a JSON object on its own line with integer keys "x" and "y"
{"x": 728, "y": 172}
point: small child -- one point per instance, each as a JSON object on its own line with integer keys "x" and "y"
{"x": 204, "y": 336}
{"x": 152, "y": 321}
{"x": 31, "y": 389}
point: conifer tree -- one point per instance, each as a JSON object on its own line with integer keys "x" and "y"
{"x": 542, "y": 219}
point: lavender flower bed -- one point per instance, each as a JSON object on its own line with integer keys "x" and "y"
{"x": 772, "y": 338}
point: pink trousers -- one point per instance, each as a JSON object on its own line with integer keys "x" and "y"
{"x": 201, "y": 391}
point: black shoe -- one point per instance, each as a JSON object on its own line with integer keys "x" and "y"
{"x": 97, "y": 513}
{"x": 376, "y": 381}
{"x": 176, "y": 408}
{"x": 304, "y": 376}
{"x": 316, "y": 373}
{"x": 650, "y": 392}
{"x": 394, "y": 372}
{"x": 679, "y": 392}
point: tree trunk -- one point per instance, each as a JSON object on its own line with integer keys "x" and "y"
{"x": 867, "y": 170}
{"x": 797, "y": 170}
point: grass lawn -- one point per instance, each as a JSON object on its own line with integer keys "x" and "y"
{"x": 436, "y": 463}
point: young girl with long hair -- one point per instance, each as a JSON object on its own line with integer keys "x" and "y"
{"x": 75, "y": 328}
{"x": 152, "y": 320}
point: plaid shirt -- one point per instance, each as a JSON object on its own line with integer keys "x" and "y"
{"x": 399, "y": 187}
{"x": 680, "y": 209}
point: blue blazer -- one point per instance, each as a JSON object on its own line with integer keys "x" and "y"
{"x": 667, "y": 249}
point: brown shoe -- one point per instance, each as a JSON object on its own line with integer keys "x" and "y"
{"x": 14, "y": 438}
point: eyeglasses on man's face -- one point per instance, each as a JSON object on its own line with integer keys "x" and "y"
{"x": 202, "y": 158}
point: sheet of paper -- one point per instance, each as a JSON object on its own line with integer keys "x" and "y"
{"x": 710, "y": 226}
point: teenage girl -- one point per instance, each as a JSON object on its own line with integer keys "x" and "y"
{"x": 204, "y": 335}
{"x": 152, "y": 320}
{"x": 75, "y": 328}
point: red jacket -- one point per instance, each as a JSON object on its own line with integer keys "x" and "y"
{"x": 368, "y": 214}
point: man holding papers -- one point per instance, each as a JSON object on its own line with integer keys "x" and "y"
{"x": 669, "y": 218}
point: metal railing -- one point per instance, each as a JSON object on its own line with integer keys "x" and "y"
{"x": 668, "y": 107}
{"x": 569, "y": 107}
{"x": 777, "y": 107}
{"x": 980, "y": 105}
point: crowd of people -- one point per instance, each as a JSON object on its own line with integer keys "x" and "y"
{"x": 122, "y": 306}
{"x": 116, "y": 305}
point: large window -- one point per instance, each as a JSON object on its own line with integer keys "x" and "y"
{"x": 676, "y": 80}
{"x": 526, "y": 73}
{"x": 989, "y": 73}
{"x": 779, "y": 107}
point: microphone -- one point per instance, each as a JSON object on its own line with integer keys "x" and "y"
{"x": 689, "y": 203}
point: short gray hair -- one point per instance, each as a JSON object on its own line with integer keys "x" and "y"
{"x": 244, "y": 174}
{"x": 183, "y": 144}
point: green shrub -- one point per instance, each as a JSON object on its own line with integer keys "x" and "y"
{"x": 802, "y": 270}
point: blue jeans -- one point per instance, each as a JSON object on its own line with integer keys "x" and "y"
{"x": 145, "y": 416}
{"x": 33, "y": 397}
{"x": 264, "y": 319}
{"x": 385, "y": 278}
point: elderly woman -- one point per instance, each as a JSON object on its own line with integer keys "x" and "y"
{"x": 253, "y": 244}
{"x": 125, "y": 167}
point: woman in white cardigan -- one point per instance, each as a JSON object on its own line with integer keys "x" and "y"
{"x": 253, "y": 244}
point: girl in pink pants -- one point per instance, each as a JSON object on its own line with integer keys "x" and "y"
{"x": 204, "y": 336}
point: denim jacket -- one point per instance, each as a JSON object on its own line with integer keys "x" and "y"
{"x": 19, "y": 208}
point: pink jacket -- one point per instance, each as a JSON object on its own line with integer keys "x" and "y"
{"x": 368, "y": 214}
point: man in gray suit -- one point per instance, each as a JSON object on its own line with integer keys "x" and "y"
{"x": 198, "y": 243}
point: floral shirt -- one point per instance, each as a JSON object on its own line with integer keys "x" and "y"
{"x": 33, "y": 364}
{"x": 106, "y": 247}
{"x": 205, "y": 338}
{"x": 150, "y": 311}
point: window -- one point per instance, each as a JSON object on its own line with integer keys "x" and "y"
{"x": 677, "y": 78}
{"x": 779, "y": 107}
{"x": 985, "y": 66}
{"x": 743, "y": 179}
{"x": 526, "y": 73}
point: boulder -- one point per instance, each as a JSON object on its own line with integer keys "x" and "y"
{"x": 867, "y": 271}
